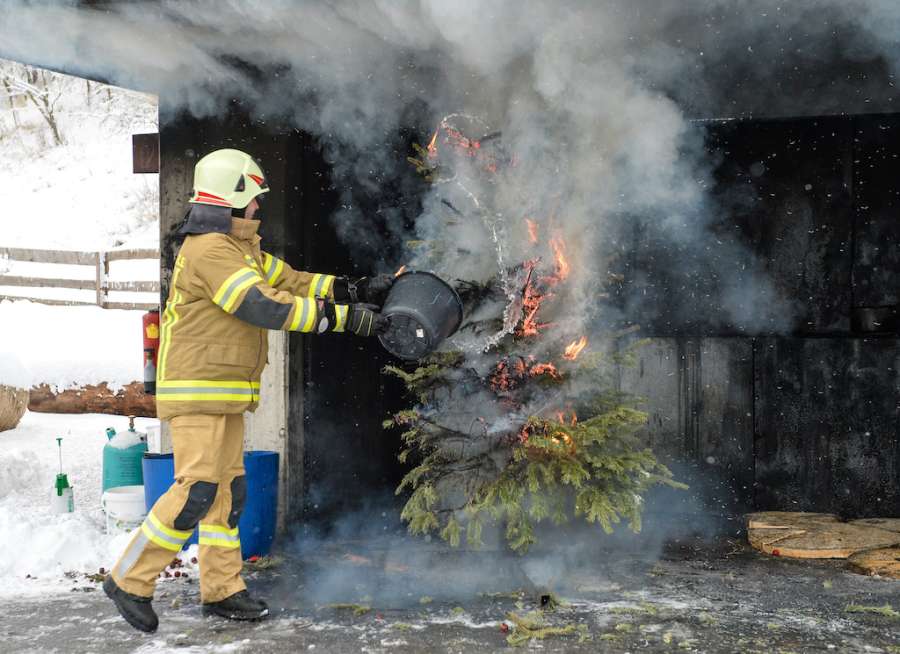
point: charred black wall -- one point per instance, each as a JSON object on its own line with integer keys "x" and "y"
{"x": 348, "y": 460}
{"x": 802, "y": 416}
{"x": 800, "y": 413}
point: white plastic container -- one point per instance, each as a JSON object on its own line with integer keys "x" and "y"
{"x": 124, "y": 507}
{"x": 62, "y": 500}
{"x": 154, "y": 440}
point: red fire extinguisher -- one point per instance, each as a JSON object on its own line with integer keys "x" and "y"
{"x": 151, "y": 349}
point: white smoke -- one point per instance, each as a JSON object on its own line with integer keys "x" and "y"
{"x": 591, "y": 97}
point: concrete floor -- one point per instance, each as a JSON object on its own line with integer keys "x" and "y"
{"x": 697, "y": 597}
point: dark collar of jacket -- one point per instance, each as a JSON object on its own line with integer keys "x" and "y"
{"x": 204, "y": 219}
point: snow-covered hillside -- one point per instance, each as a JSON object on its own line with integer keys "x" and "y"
{"x": 78, "y": 195}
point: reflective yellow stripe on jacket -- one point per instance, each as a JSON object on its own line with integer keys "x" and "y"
{"x": 340, "y": 317}
{"x": 230, "y": 290}
{"x": 170, "y": 317}
{"x": 180, "y": 390}
{"x": 320, "y": 285}
{"x": 304, "y": 315}
{"x": 272, "y": 268}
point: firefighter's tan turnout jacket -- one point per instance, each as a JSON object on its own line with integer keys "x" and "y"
{"x": 224, "y": 294}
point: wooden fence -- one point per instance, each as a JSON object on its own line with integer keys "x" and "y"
{"x": 101, "y": 283}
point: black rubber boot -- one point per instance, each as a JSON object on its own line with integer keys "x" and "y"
{"x": 137, "y": 611}
{"x": 239, "y": 606}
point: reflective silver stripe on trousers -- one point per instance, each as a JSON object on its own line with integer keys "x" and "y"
{"x": 163, "y": 536}
{"x": 243, "y": 278}
{"x": 132, "y": 554}
{"x": 219, "y": 535}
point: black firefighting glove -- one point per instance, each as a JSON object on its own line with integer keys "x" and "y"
{"x": 364, "y": 320}
{"x": 370, "y": 290}
{"x": 374, "y": 290}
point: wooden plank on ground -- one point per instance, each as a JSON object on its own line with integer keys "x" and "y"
{"x": 787, "y": 519}
{"x": 891, "y": 524}
{"x": 884, "y": 562}
{"x": 824, "y": 541}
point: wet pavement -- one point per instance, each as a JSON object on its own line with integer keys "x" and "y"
{"x": 696, "y": 597}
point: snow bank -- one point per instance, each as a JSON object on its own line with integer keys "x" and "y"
{"x": 81, "y": 195}
{"x": 70, "y": 346}
{"x": 45, "y": 546}
{"x": 19, "y": 470}
{"x": 48, "y": 546}
{"x": 12, "y": 371}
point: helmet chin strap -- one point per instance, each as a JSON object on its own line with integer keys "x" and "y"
{"x": 239, "y": 213}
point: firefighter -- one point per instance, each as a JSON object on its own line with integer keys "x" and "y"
{"x": 225, "y": 293}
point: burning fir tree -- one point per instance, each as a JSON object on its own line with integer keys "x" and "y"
{"x": 517, "y": 421}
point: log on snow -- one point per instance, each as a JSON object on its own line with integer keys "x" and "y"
{"x": 130, "y": 400}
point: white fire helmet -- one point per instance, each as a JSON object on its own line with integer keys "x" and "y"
{"x": 227, "y": 178}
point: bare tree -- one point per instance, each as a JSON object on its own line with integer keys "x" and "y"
{"x": 10, "y": 96}
{"x": 42, "y": 90}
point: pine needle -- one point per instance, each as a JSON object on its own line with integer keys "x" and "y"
{"x": 532, "y": 626}
{"x": 887, "y": 610}
{"x": 358, "y": 609}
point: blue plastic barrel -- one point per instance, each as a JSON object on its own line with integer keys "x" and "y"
{"x": 257, "y": 524}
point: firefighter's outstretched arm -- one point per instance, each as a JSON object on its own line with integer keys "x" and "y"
{"x": 239, "y": 288}
{"x": 368, "y": 290}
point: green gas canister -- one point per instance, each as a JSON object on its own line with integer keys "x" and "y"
{"x": 122, "y": 457}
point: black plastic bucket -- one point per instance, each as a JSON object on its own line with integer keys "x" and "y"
{"x": 424, "y": 310}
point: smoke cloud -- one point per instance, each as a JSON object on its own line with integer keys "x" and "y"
{"x": 592, "y": 100}
{"x": 588, "y": 107}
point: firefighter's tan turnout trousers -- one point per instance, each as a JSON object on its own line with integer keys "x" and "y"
{"x": 208, "y": 493}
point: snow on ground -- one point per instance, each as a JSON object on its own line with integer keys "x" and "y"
{"x": 44, "y": 545}
{"x": 81, "y": 195}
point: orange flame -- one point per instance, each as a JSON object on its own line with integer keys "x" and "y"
{"x": 562, "y": 263}
{"x": 544, "y": 369}
{"x": 532, "y": 299}
{"x": 432, "y": 145}
{"x": 532, "y": 231}
{"x": 562, "y": 419}
{"x": 574, "y": 348}
{"x": 400, "y": 270}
